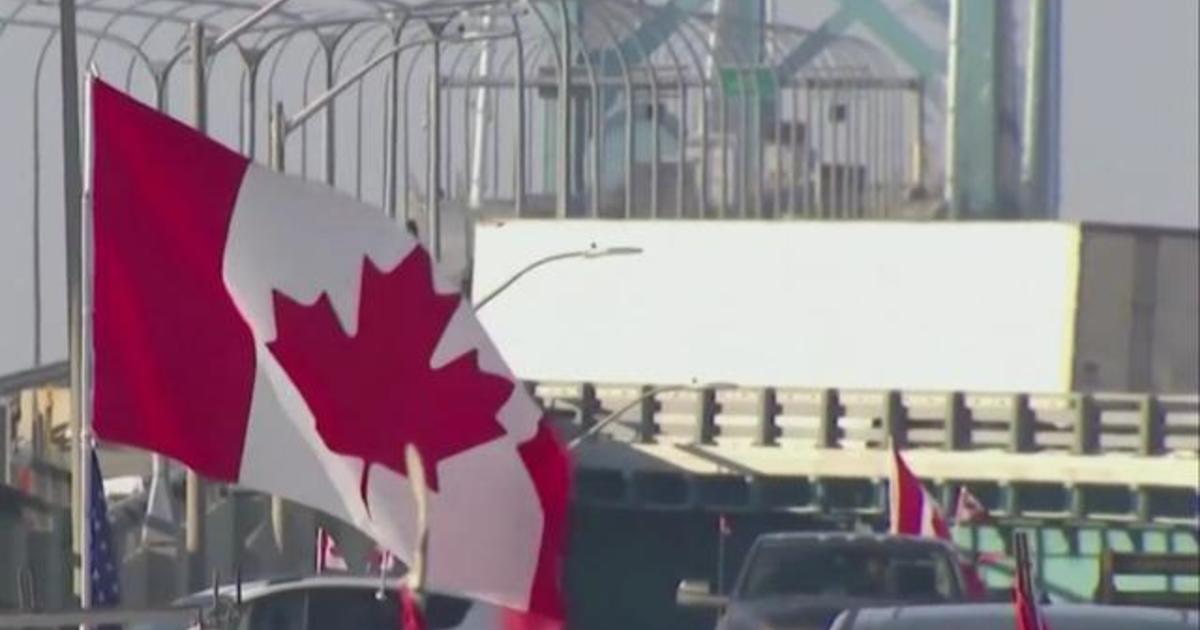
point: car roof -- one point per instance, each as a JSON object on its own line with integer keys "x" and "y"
{"x": 263, "y": 588}
{"x": 876, "y": 538}
{"x": 1000, "y": 616}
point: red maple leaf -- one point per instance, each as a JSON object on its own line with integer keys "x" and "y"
{"x": 375, "y": 392}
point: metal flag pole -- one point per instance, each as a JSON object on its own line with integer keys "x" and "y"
{"x": 72, "y": 206}
{"x": 85, "y": 345}
{"x": 194, "y": 504}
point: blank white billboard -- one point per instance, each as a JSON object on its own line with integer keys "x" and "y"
{"x": 974, "y": 306}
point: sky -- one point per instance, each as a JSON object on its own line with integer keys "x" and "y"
{"x": 1129, "y": 138}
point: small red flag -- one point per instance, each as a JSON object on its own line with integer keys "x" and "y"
{"x": 411, "y": 617}
{"x": 1025, "y": 605}
{"x": 969, "y": 509}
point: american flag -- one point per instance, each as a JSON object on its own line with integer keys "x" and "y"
{"x": 104, "y": 583}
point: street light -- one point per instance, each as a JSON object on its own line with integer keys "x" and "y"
{"x": 289, "y": 124}
{"x": 282, "y": 125}
{"x": 612, "y": 417}
{"x": 590, "y": 253}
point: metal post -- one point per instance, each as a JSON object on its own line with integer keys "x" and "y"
{"x": 1035, "y": 76}
{"x": 330, "y": 46}
{"x": 251, "y": 58}
{"x": 952, "y": 193}
{"x": 479, "y": 148}
{"x": 393, "y": 172}
{"x": 194, "y": 502}
{"x": 434, "y": 159}
{"x": 564, "y": 112}
{"x": 277, "y": 135}
{"x": 918, "y": 149}
{"x": 519, "y": 173}
{"x": 73, "y": 208}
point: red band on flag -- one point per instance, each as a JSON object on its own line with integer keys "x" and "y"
{"x": 174, "y": 361}
{"x": 908, "y": 498}
{"x": 549, "y": 466}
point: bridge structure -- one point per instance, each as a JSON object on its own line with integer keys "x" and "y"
{"x": 449, "y": 113}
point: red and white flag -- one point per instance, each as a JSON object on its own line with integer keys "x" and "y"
{"x": 277, "y": 334}
{"x": 329, "y": 557}
{"x": 968, "y": 509}
{"x": 1025, "y": 603}
{"x": 915, "y": 513}
{"x": 411, "y": 616}
{"x": 381, "y": 560}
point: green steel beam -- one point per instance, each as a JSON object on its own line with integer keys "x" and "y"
{"x": 899, "y": 38}
{"x": 657, "y": 29}
{"x": 819, "y": 40}
{"x": 883, "y": 22}
{"x": 974, "y": 110}
{"x": 940, "y": 8}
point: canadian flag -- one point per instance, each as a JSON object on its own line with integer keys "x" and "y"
{"x": 278, "y": 335}
{"x": 914, "y": 513}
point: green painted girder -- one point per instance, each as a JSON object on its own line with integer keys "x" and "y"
{"x": 876, "y": 16}
{"x": 656, "y": 30}
{"x": 650, "y": 34}
{"x": 975, "y": 116}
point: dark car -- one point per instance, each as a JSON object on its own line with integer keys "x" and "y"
{"x": 803, "y": 581}
{"x": 329, "y": 602}
{"x": 1000, "y": 617}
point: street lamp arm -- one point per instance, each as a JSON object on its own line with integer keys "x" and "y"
{"x": 321, "y": 101}
{"x": 522, "y": 273}
{"x": 246, "y": 24}
{"x": 589, "y": 253}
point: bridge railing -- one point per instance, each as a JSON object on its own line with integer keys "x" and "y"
{"x": 1077, "y": 423}
{"x": 1079, "y": 457}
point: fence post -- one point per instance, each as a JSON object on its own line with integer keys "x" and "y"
{"x": 1087, "y": 425}
{"x": 587, "y": 406}
{"x": 1151, "y": 426}
{"x": 647, "y": 428}
{"x": 958, "y": 423}
{"x": 5, "y": 424}
{"x": 706, "y": 412}
{"x": 830, "y": 410}
{"x": 1021, "y": 425}
{"x": 895, "y": 420}
{"x": 767, "y": 411}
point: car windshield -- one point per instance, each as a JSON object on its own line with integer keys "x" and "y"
{"x": 910, "y": 573}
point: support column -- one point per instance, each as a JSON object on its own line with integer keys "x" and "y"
{"x": 982, "y": 129}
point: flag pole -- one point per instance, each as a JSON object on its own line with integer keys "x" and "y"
{"x": 86, "y": 446}
{"x": 721, "y": 554}
{"x": 416, "y": 569}
{"x": 72, "y": 206}
{"x": 194, "y": 504}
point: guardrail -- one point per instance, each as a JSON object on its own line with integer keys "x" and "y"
{"x": 1114, "y": 565}
{"x": 1101, "y": 458}
{"x": 1076, "y": 424}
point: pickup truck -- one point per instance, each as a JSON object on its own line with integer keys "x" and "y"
{"x": 802, "y": 581}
